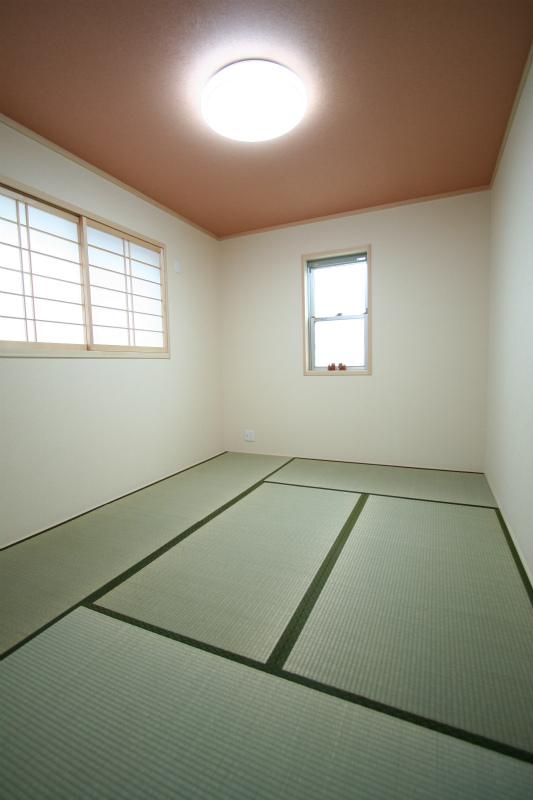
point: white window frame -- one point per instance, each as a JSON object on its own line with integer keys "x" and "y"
{"x": 309, "y": 265}
{"x": 21, "y": 349}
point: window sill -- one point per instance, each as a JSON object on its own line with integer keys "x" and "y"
{"x": 336, "y": 372}
{"x": 14, "y": 350}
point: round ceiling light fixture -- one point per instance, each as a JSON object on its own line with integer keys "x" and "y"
{"x": 253, "y": 100}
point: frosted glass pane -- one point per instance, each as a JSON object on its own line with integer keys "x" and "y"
{"x": 101, "y": 258}
{"x": 145, "y": 339}
{"x": 25, "y": 259}
{"x": 145, "y": 288}
{"x": 146, "y": 306}
{"x": 11, "y": 305}
{"x": 12, "y": 330}
{"x": 106, "y": 297}
{"x": 60, "y": 333}
{"x": 105, "y": 240}
{"x": 56, "y": 290}
{"x": 109, "y": 335}
{"x": 9, "y": 256}
{"x": 24, "y": 238}
{"x": 8, "y": 208}
{"x": 147, "y": 322}
{"x": 144, "y": 254}
{"x": 340, "y": 290}
{"x": 10, "y": 281}
{"x": 9, "y": 232}
{"x": 340, "y": 341}
{"x": 52, "y": 223}
{"x": 109, "y": 316}
{"x": 55, "y": 268}
{"x": 147, "y": 273}
{"x": 109, "y": 280}
{"x": 62, "y": 312}
{"x": 53, "y": 246}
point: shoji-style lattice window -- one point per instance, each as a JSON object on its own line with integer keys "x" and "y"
{"x": 125, "y": 289}
{"x": 69, "y": 282}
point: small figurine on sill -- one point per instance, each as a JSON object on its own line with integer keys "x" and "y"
{"x": 342, "y": 366}
{"x": 332, "y": 367}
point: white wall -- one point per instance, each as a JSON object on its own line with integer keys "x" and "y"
{"x": 424, "y": 404}
{"x": 75, "y": 433}
{"x": 510, "y": 384}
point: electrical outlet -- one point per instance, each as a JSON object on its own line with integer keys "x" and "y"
{"x": 249, "y": 436}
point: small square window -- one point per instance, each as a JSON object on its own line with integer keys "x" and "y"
{"x": 336, "y": 290}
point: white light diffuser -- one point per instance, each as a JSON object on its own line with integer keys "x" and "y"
{"x": 254, "y": 100}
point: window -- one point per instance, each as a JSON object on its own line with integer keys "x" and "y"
{"x": 68, "y": 282}
{"x": 336, "y": 290}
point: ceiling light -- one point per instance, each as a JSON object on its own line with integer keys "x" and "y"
{"x": 253, "y": 100}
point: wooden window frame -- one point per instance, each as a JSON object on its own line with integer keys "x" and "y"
{"x": 19, "y": 349}
{"x": 308, "y": 257}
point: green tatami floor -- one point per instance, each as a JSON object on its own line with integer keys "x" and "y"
{"x": 237, "y": 585}
{"x": 422, "y": 484}
{"x": 97, "y": 708}
{"x": 48, "y": 574}
{"x": 261, "y": 627}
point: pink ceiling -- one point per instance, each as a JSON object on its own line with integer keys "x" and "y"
{"x": 409, "y": 98}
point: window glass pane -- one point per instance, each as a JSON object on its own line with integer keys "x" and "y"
{"x": 148, "y": 323}
{"x": 10, "y": 281}
{"x": 145, "y": 339}
{"x": 145, "y": 288}
{"x": 9, "y": 256}
{"x": 109, "y": 335}
{"x": 12, "y": 330}
{"x": 144, "y": 254}
{"x": 9, "y": 232}
{"x": 53, "y": 310}
{"x": 24, "y": 238}
{"x": 60, "y": 333}
{"x": 146, "y": 306}
{"x": 109, "y": 280}
{"x": 55, "y": 268}
{"x": 11, "y": 305}
{"x": 52, "y": 223}
{"x": 340, "y": 341}
{"x": 109, "y": 316}
{"x": 339, "y": 290}
{"x": 106, "y": 297}
{"x": 53, "y": 246}
{"x": 8, "y": 208}
{"x": 101, "y": 258}
{"x": 147, "y": 273}
{"x": 105, "y": 240}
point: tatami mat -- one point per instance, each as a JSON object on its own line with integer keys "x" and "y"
{"x": 426, "y": 484}
{"x": 95, "y": 708}
{"x": 425, "y": 611}
{"x": 236, "y": 582}
{"x": 46, "y": 575}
